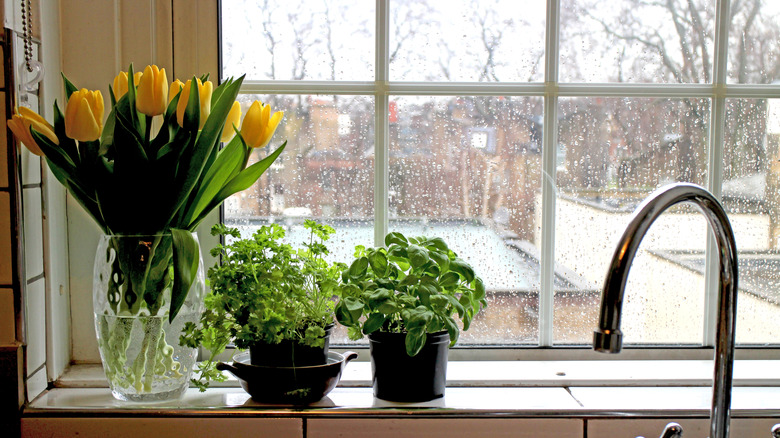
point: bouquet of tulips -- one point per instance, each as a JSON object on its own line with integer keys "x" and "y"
{"x": 133, "y": 182}
{"x": 153, "y": 166}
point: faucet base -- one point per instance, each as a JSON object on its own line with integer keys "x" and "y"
{"x": 608, "y": 341}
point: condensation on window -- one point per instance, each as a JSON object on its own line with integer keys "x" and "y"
{"x": 468, "y": 169}
{"x": 618, "y": 150}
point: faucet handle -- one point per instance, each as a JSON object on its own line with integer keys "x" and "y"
{"x": 776, "y": 431}
{"x": 672, "y": 430}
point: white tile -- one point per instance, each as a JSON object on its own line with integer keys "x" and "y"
{"x": 692, "y": 427}
{"x": 31, "y": 166}
{"x": 445, "y": 428}
{"x": 36, "y": 384}
{"x": 6, "y": 259}
{"x": 616, "y": 428}
{"x": 33, "y": 232}
{"x": 752, "y": 427}
{"x": 752, "y": 398}
{"x": 89, "y": 427}
{"x": 7, "y": 318}
{"x": 35, "y": 321}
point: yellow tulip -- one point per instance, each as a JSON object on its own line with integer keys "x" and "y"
{"x": 204, "y": 90}
{"x": 20, "y": 124}
{"x": 120, "y": 83}
{"x": 259, "y": 126}
{"x": 173, "y": 91}
{"x": 233, "y": 119}
{"x": 84, "y": 115}
{"x": 152, "y": 97}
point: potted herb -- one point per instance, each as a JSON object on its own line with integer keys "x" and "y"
{"x": 406, "y": 298}
{"x": 270, "y": 298}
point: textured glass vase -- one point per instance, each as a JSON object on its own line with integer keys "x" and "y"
{"x": 139, "y": 347}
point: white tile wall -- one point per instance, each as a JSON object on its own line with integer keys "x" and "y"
{"x": 36, "y": 325}
{"x": 31, "y": 166}
{"x": 33, "y": 427}
{"x": 33, "y": 232}
{"x": 445, "y": 428}
{"x": 7, "y": 326}
{"x": 36, "y": 384}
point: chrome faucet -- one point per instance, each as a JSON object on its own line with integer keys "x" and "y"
{"x": 608, "y": 337}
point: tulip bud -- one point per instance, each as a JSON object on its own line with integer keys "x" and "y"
{"x": 152, "y": 96}
{"x": 259, "y": 126}
{"x": 233, "y": 119}
{"x": 173, "y": 91}
{"x": 20, "y": 124}
{"x": 120, "y": 83}
{"x": 84, "y": 115}
{"x": 204, "y": 96}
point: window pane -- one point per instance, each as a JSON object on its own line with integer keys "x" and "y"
{"x": 467, "y": 40}
{"x": 617, "y": 152}
{"x": 637, "y": 41}
{"x": 325, "y": 173}
{"x": 754, "y": 42}
{"x": 298, "y": 39}
{"x": 467, "y": 169}
{"x": 751, "y": 194}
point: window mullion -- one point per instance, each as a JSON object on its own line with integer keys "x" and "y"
{"x": 381, "y": 123}
{"x": 715, "y": 164}
{"x": 549, "y": 141}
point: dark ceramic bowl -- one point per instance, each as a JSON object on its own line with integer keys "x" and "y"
{"x": 288, "y": 385}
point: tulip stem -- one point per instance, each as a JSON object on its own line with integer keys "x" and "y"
{"x": 148, "y": 129}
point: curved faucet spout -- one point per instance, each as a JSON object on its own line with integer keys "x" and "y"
{"x": 608, "y": 337}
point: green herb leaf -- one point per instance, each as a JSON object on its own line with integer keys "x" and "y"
{"x": 463, "y": 269}
{"x": 358, "y": 268}
{"x": 418, "y": 256}
{"x": 374, "y": 322}
{"x": 378, "y": 262}
{"x": 395, "y": 238}
{"x": 415, "y": 340}
{"x": 449, "y": 280}
{"x": 452, "y": 329}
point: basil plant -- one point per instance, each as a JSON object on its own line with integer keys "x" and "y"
{"x": 414, "y": 286}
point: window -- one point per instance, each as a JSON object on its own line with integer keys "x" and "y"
{"x": 525, "y": 134}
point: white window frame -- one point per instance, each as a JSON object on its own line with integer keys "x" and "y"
{"x": 204, "y": 58}
{"x": 551, "y": 90}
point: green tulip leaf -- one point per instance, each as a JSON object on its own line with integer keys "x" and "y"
{"x": 186, "y": 257}
{"x": 69, "y": 87}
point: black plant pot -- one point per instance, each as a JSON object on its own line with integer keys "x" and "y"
{"x": 399, "y": 377}
{"x": 290, "y": 354}
{"x": 288, "y": 385}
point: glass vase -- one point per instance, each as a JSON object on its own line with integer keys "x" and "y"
{"x": 139, "y": 347}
